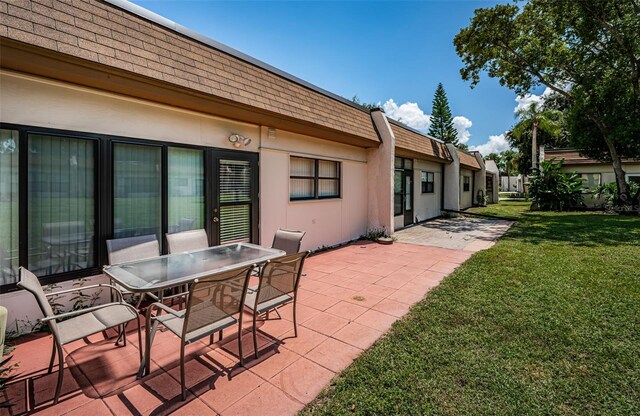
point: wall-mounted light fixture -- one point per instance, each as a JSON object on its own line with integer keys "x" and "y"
{"x": 238, "y": 140}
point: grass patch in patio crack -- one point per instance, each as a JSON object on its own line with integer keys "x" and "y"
{"x": 544, "y": 322}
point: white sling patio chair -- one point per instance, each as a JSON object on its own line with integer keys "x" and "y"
{"x": 277, "y": 286}
{"x": 122, "y": 250}
{"x": 212, "y": 305}
{"x": 71, "y": 326}
{"x": 288, "y": 241}
{"x": 187, "y": 241}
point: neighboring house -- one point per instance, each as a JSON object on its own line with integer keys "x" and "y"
{"x": 593, "y": 172}
{"x": 418, "y": 175}
{"x": 117, "y": 122}
{"x": 492, "y": 181}
{"x": 472, "y": 178}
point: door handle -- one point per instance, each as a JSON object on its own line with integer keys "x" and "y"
{"x": 216, "y": 219}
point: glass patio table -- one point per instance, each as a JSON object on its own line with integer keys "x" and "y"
{"x": 159, "y": 273}
{"x": 164, "y": 272}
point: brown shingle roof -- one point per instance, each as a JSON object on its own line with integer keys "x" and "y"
{"x": 101, "y": 33}
{"x": 411, "y": 140}
{"x": 570, "y": 156}
{"x": 468, "y": 160}
{"x": 573, "y": 157}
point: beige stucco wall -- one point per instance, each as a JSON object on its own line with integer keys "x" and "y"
{"x": 39, "y": 102}
{"x": 380, "y": 176}
{"x": 426, "y": 206}
{"x": 606, "y": 176}
{"x": 452, "y": 181}
{"x": 466, "y": 198}
{"x": 326, "y": 222}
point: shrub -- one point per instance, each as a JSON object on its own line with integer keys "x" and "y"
{"x": 374, "y": 233}
{"x": 551, "y": 189}
{"x": 609, "y": 193}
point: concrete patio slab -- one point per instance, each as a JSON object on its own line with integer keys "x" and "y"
{"x": 348, "y": 299}
{"x": 460, "y": 233}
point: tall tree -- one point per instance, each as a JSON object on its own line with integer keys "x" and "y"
{"x": 586, "y": 51}
{"x": 509, "y": 158}
{"x": 533, "y": 118}
{"x": 441, "y": 119}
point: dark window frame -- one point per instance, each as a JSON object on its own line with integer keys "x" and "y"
{"x": 316, "y": 179}
{"x": 466, "y": 183}
{"x": 424, "y": 185}
{"x": 103, "y": 192}
{"x": 403, "y": 169}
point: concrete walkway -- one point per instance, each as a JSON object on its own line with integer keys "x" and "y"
{"x": 348, "y": 299}
{"x": 468, "y": 234}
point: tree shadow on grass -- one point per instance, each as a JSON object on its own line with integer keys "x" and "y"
{"x": 579, "y": 229}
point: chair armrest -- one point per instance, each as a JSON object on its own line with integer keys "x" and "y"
{"x": 61, "y": 292}
{"x": 83, "y": 311}
{"x": 164, "y": 308}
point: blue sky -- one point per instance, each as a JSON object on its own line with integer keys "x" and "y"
{"x": 380, "y": 51}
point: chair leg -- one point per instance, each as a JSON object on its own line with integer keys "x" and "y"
{"x": 124, "y": 334}
{"x": 255, "y": 337}
{"x": 139, "y": 338}
{"x": 60, "y": 374}
{"x": 184, "y": 394}
{"x": 140, "y": 301}
{"x": 295, "y": 321}
{"x": 53, "y": 355}
{"x": 240, "y": 341}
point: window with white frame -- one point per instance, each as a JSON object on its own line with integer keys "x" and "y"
{"x": 313, "y": 178}
{"x": 466, "y": 183}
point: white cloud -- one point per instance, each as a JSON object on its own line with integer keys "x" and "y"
{"x": 408, "y": 113}
{"x": 495, "y": 144}
{"x": 528, "y": 99}
{"x": 412, "y": 115}
{"x": 462, "y": 125}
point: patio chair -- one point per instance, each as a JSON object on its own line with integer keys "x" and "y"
{"x": 126, "y": 249}
{"x": 71, "y": 326}
{"x": 187, "y": 241}
{"x": 277, "y": 286}
{"x": 288, "y": 241}
{"x": 212, "y": 303}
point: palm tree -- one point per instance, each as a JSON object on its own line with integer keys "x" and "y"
{"x": 535, "y": 118}
{"x": 509, "y": 158}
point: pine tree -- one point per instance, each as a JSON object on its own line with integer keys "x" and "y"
{"x": 441, "y": 120}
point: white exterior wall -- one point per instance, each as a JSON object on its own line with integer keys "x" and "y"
{"x": 426, "y": 206}
{"x": 480, "y": 179}
{"x": 326, "y": 222}
{"x": 39, "y": 102}
{"x": 466, "y": 198}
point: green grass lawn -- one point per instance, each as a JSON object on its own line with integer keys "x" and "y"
{"x": 545, "y": 322}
